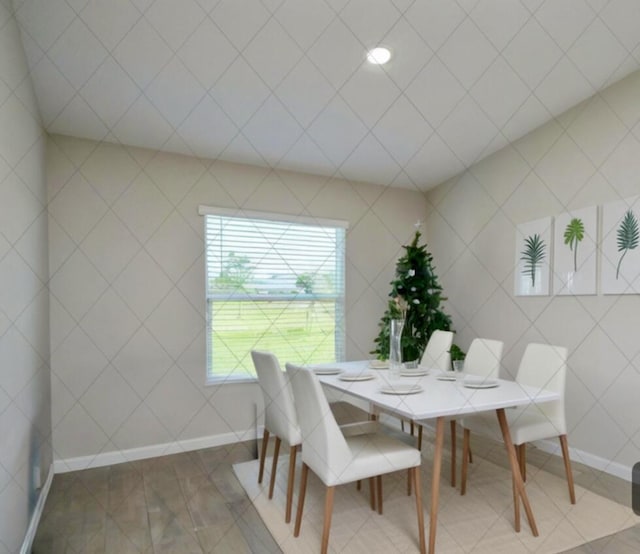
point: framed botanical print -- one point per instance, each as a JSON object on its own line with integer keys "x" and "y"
{"x": 533, "y": 257}
{"x": 621, "y": 246}
{"x": 575, "y": 252}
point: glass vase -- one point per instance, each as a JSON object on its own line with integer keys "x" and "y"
{"x": 395, "y": 347}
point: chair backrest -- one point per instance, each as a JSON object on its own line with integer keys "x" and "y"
{"x": 279, "y": 409}
{"x": 324, "y": 448}
{"x": 483, "y": 358}
{"x": 545, "y": 366}
{"x": 436, "y": 355}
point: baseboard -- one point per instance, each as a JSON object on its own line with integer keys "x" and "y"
{"x": 591, "y": 460}
{"x": 30, "y": 535}
{"x": 596, "y": 462}
{"x": 151, "y": 451}
{"x": 116, "y": 457}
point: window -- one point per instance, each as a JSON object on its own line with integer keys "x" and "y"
{"x": 273, "y": 283}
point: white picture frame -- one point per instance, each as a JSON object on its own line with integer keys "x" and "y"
{"x": 532, "y": 273}
{"x": 575, "y": 249}
{"x": 620, "y": 267}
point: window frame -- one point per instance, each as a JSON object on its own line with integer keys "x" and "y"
{"x": 212, "y": 379}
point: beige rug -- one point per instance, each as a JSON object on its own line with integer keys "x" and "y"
{"x": 479, "y": 522}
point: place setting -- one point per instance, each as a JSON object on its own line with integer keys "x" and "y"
{"x": 473, "y": 382}
{"x": 419, "y": 371}
{"x": 364, "y": 375}
{"x": 452, "y": 375}
{"x": 401, "y": 388}
{"x": 327, "y": 370}
{"x": 396, "y": 382}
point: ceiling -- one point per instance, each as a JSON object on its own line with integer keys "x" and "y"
{"x": 284, "y": 83}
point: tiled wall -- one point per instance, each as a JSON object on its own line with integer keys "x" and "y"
{"x": 588, "y": 156}
{"x": 25, "y": 405}
{"x": 127, "y": 286}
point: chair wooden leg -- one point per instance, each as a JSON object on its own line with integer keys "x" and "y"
{"x": 521, "y": 452}
{"x": 419, "y": 436}
{"x": 408, "y": 482}
{"x": 470, "y": 456}
{"x": 415, "y": 472}
{"x": 328, "y": 510}
{"x": 412, "y": 428}
{"x": 567, "y": 467}
{"x": 358, "y": 485}
{"x": 379, "y": 493}
{"x": 372, "y": 493}
{"x": 276, "y": 452}
{"x": 453, "y": 452}
{"x": 466, "y": 439}
{"x": 301, "y": 495}
{"x": 292, "y": 472}
{"x": 263, "y": 454}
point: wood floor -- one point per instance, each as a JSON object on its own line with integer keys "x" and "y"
{"x": 192, "y": 503}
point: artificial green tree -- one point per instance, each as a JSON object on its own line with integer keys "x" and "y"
{"x": 416, "y": 286}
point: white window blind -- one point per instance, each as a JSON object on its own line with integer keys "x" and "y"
{"x": 274, "y": 285}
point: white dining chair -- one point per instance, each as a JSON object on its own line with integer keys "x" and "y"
{"x": 281, "y": 421}
{"x": 542, "y": 366}
{"x": 482, "y": 360}
{"x": 338, "y": 459}
{"x": 437, "y": 353}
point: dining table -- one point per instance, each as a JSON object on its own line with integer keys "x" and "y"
{"x": 425, "y": 394}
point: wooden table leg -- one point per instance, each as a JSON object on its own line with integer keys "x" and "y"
{"x": 516, "y": 505}
{"x": 435, "y": 484}
{"x": 415, "y": 471}
{"x": 515, "y": 470}
{"x": 453, "y": 452}
{"x": 372, "y": 493}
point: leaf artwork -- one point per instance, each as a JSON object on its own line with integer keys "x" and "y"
{"x": 573, "y": 234}
{"x": 628, "y": 235}
{"x": 532, "y": 256}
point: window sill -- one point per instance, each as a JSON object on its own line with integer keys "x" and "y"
{"x": 227, "y": 380}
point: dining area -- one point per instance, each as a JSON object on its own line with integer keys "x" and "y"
{"x": 383, "y": 466}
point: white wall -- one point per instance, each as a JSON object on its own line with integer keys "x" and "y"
{"x": 127, "y": 286}
{"x": 588, "y": 156}
{"x": 25, "y": 405}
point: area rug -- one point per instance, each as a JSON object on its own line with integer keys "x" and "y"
{"x": 479, "y": 522}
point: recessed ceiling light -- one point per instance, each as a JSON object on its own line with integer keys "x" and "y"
{"x": 379, "y": 56}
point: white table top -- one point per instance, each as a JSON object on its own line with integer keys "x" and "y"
{"x": 438, "y": 398}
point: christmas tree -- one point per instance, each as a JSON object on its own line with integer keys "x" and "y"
{"x": 416, "y": 297}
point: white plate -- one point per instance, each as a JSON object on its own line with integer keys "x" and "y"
{"x": 401, "y": 389}
{"x": 480, "y": 383}
{"x": 379, "y": 364}
{"x": 364, "y": 376}
{"x": 448, "y": 376}
{"x": 414, "y": 372}
{"x": 327, "y": 371}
